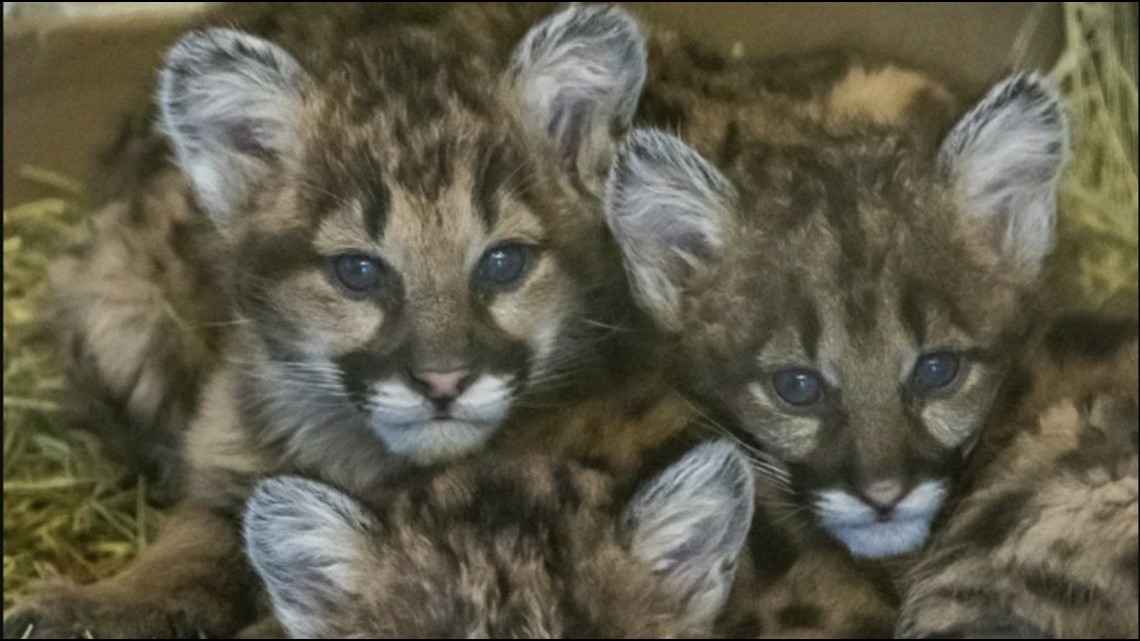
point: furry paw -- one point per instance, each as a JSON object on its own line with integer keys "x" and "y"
{"x": 61, "y": 611}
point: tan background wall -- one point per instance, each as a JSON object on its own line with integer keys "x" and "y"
{"x": 67, "y": 78}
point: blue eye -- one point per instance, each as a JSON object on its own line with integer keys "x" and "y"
{"x": 504, "y": 265}
{"x": 936, "y": 371}
{"x": 356, "y": 272}
{"x": 798, "y": 387}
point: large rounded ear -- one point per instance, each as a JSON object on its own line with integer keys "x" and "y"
{"x": 310, "y": 544}
{"x": 230, "y": 104}
{"x": 669, "y": 210}
{"x": 1004, "y": 159}
{"x": 580, "y": 73}
{"x": 689, "y": 525}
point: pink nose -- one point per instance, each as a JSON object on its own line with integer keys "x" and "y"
{"x": 442, "y": 385}
{"x": 883, "y": 495}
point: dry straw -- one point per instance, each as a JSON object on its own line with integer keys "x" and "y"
{"x": 1095, "y": 262}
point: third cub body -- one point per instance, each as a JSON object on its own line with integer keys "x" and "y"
{"x": 506, "y": 548}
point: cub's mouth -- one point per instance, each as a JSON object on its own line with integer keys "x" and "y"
{"x": 430, "y": 430}
{"x": 876, "y": 533}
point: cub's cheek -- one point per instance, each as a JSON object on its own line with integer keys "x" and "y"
{"x": 954, "y": 419}
{"x": 535, "y": 313}
{"x": 788, "y": 436}
{"x": 327, "y": 321}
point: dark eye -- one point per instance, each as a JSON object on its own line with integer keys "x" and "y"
{"x": 504, "y": 265}
{"x": 799, "y": 387}
{"x": 935, "y": 371}
{"x": 356, "y": 272}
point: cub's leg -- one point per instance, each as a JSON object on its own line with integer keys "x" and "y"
{"x": 192, "y": 581}
{"x": 137, "y": 314}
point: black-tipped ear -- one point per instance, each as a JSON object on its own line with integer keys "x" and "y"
{"x": 690, "y": 523}
{"x": 308, "y": 543}
{"x": 668, "y": 209}
{"x": 1004, "y": 159}
{"x": 229, "y": 103}
{"x": 580, "y": 74}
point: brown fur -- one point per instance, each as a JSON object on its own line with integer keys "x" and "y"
{"x": 515, "y": 548}
{"x": 798, "y": 585}
{"x": 139, "y": 321}
{"x": 842, "y": 246}
{"x": 282, "y": 301}
{"x": 178, "y": 574}
{"x": 705, "y": 97}
{"x": 1045, "y": 541}
{"x": 137, "y": 305}
{"x": 424, "y": 115}
{"x": 691, "y": 89}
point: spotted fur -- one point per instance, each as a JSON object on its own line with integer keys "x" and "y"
{"x": 422, "y": 148}
{"x": 843, "y": 248}
{"x": 142, "y": 282}
{"x": 141, "y": 305}
{"x": 523, "y": 547}
{"x": 302, "y": 356}
{"x": 847, "y": 253}
{"x": 1044, "y": 542}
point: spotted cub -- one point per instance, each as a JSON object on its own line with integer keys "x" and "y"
{"x": 845, "y": 299}
{"x": 528, "y": 547}
{"x": 864, "y": 313}
{"x": 410, "y": 243}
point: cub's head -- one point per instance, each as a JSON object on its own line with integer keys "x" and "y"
{"x": 413, "y": 228}
{"x": 506, "y": 549}
{"x": 849, "y": 302}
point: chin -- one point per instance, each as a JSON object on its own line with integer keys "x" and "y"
{"x": 436, "y": 441}
{"x": 880, "y": 540}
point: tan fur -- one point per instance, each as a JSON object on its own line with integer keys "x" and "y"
{"x": 1046, "y": 540}
{"x": 823, "y": 595}
{"x": 889, "y": 95}
{"x": 138, "y": 320}
{"x": 613, "y": 431}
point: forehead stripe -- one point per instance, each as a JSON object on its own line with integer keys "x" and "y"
{"x": 912, "y": 311}
{"x": 809, "y": 328}
{"x": 489, "y": 178}
{"x": 377, "y": 200}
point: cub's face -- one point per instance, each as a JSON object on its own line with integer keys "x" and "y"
{"x": 414, "y": 232}
{"x": 506, "y": 549}
{"x": 847, "y": 303}
{"x": 429, "y": 286}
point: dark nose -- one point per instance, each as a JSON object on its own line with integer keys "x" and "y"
{"x": 441, "y": 386}
{"x": 883, "y": 495}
